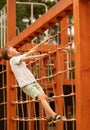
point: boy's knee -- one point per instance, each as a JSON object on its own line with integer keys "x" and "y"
{"x": 42, "y": 97}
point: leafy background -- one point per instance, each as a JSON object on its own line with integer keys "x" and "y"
{"x": 2, "y": 3}
{"x": 23, "y": 11}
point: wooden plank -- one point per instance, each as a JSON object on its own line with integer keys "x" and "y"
{"x": 58, "y": 91}
{"x": 11, "y": 94}
{"x": 55, "y": 14}
{"x": 11, "y": 19}
{"x": 64, "y": 40}
{"x": 82, "y": 60}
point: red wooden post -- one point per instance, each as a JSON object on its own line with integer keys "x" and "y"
{"x": 58, "y": 91}
{"x": 11, "y": 19}
{"x": 31, "y": 123}
{"x": 11, "y": 32}
{"x": 64, "y": 41}
{"x": 82, "y": 60}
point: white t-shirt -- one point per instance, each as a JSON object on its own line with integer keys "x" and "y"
{"x": 22, "y": 74}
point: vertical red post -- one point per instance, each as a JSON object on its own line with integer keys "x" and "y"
{"x": 64, "y": 41}
{"x": 11, "y": 95}
{"x": 82, "y": 60}
{"x": 58, "y": 91}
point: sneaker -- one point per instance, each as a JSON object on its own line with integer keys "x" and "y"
{"x": 50, "y": 121}
{"x": 56, "y": 118}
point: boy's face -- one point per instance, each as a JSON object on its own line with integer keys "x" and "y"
{"x": 12, "y": 52}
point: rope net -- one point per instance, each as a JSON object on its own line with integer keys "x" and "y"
{"x": 55, "y": 73}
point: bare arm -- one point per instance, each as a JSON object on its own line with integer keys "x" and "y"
{"x": 34, "y": 49}
{"x": 32, "y": 57}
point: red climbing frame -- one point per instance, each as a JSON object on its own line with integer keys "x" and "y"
{"x": 81, "y": 11}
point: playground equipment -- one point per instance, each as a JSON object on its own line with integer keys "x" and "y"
{"x": 64, "y": 74}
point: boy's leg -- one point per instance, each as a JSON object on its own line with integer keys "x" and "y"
{"x": 49, "y": 112}
{"x": 52, "y": 117}
{"x": 35, "y": 91}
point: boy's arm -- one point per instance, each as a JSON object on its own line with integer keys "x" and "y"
{"x": 32, "y": 57}
{"x": 34, "y": 49}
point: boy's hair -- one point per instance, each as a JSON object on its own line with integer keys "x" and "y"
{"x": 4, "y": 52}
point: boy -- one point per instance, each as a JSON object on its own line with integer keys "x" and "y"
{"x": 26, "y": 79}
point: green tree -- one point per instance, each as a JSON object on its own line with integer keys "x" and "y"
{"x": 2, "y": 3}
{"x": 24, "y": 11}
